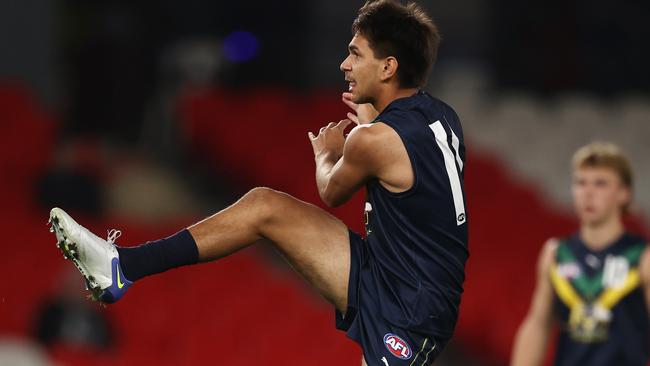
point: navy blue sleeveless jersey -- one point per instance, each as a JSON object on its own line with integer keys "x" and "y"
{"x": 600, "y": 304}
{"x": 418, "y": 238}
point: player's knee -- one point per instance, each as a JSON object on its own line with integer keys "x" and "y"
{"x": 262, "y": 194}
{"x": 265, "y": 201}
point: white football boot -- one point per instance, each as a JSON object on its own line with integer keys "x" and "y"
{"x": 97, "y": 259}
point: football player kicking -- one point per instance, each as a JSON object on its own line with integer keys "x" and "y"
{"x": 396, "y": 291}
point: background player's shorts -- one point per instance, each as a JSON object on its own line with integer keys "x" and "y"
{"x": 383, "y": 343}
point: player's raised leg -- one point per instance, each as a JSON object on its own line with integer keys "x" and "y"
{"x": 313, "y": 241}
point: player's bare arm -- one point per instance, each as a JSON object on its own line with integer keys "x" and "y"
{"x": 644, "y": 269}
{"x": 344, "y": 165}
{"x": 532, "y": 337}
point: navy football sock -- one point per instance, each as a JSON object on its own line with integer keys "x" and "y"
{"x": 158, "y": 256}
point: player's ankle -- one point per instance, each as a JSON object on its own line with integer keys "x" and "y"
{"x": 158, "y": 256}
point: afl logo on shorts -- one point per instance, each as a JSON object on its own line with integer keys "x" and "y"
{"x": 397, "y": 346}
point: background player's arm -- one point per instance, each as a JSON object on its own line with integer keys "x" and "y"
{"x": 343, "y": 165}
{"x": 533, "y": 334}
{"x": 644, "y": 269}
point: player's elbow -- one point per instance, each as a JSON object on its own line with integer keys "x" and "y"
{"x": 332, "y": 195}
{"x": 330, "y": 199}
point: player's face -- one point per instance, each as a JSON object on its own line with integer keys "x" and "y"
{"x": 598, "y": 195}
{"x": 362, "y": 70}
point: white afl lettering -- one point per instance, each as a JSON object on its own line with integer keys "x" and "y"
{"x": 450, "y": 165}
{"x": 397, "y": 346}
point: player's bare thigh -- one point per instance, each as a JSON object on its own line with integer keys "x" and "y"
{"x": 316, "y": 244}
{"x": 313, "y": 241}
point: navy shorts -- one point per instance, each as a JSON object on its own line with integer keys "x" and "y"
{"x": 383, "y": 342}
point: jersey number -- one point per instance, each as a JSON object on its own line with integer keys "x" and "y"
{"x": 450, "y": 164}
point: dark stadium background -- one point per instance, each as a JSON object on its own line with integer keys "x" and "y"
{"x": 148, "y": 115}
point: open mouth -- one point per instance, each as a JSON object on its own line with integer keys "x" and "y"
{"x": 351, "y": 82}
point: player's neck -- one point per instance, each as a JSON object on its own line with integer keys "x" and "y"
{"x": 390, "y": 95}
{"x": 600, "y": 236}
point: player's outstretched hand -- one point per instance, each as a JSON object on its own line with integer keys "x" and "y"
{"x": 330, "y": 140}
{"x": 363, "y": 113}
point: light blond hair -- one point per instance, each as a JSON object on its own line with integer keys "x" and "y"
{"x": 605, "y": 155}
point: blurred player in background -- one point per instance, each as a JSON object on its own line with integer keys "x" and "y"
{"x": 397, "y": 292}
{"x": 595, "y": 283}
